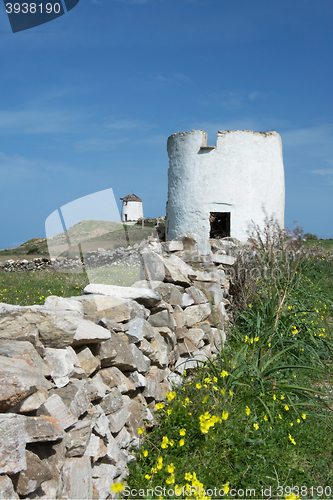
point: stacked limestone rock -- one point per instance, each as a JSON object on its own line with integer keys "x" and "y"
{"x": 37, "y": 264}
{"x": 80, "y": 376}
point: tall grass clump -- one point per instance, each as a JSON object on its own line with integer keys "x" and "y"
{"x": 256, "y": 422}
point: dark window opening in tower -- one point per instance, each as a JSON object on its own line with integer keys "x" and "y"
{"x": 219, "y": 224}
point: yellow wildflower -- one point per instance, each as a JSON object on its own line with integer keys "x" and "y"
{"x": 291, "y": 439}
{"x": 256, "y": 426}
{"x": 116, "y": 487}
{"x": 159, "y": 406}
{"x": 171, "y": 468}
{"x": 181, "y": 442}
{"x": 171, "y": 479}
{"x": 170, "y": 395}
{"x": 165, "y": 442}
{"x": 224, "y": 373}
{"x": 198, "y": 385}
{"x": 226, "y": 487}
{"x": 182, "y": 432}
{"x": 247, "y": 411}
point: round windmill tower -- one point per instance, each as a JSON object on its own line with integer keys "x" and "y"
{"x": 132, "y": 209}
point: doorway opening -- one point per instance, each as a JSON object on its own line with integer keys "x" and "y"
{"x": 219, "y": 224}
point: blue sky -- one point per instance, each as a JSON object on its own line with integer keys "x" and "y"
{"x": 88, "y": 100}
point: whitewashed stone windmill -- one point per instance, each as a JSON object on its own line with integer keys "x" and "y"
{"x": 216, "y": 191}
{"x": 131, "y": 209}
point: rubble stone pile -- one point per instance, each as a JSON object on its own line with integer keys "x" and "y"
{"x": 37, "y": 264}
{"x": 79, "y": 376}
{"x": 129, "y": 256}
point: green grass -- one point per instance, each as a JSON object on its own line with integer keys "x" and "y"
{"x": 31, "y": 288}
{"x": 325, "y": 244}
{"x": 115, "y": 275}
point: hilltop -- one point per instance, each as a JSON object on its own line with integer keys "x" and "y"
{"x": 90, "y": 234}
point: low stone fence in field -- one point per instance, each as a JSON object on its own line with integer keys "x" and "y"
{"x": 79, "y": 376}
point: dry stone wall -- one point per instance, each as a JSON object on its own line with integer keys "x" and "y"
{"x": 79, "y": 376}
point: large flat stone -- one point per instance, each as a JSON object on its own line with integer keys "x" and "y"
{"x": 103, "y": 475}
{"x": 162, "y": 318}
{"x": 77, "y": 478}
{"x": 112, "y": 402}
{"x": 135, "y": 420}
{"x": 111, "y": 308}
{"x": 53, "y": 327}
{"x": 170, "y": 293}
{"x": 18, "y": 379}
{"x": 173, "y": 246}
{"x": 141, "y": 295}
{"x": 75, "y": 396}
{"x": 116, "y": 352}
{"x": 55, "y": 407}
{"x": 43, "y": 428}
{"x": 196, "y": 314}
{"x": 88, "y": 361}
{"x": 32, "y": 402}
{"x": 152, "y": 266}
{"x": 90, "y": 333}
{"x": 12, "y": 443}
{"x": 118, "y": 419}
{"x": 36, "y": 472}
{"x": 54, "y": 302}
{"x": 138, "y": 329}
{"x": 113, "y": 377}
{"x": 6, "y": 489}
{"x": 227, "y": 260}
{"x": 23, "y": 349}
{"x": 61, "y": 364}
{"x": 77, "y": 439}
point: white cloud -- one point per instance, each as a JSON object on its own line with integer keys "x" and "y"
{"x": 154, "y": 140}
{"x": 323, "y": 171}
{"x": 47, "y": 121}
{"x": 17, "y": 168}
{"x": 176, "y": 78}
{"x": 98, "y": 144}
{"x": 128, "y": 125}
{"x": 321, "y": 134}
{"x": 254, "y": 95}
